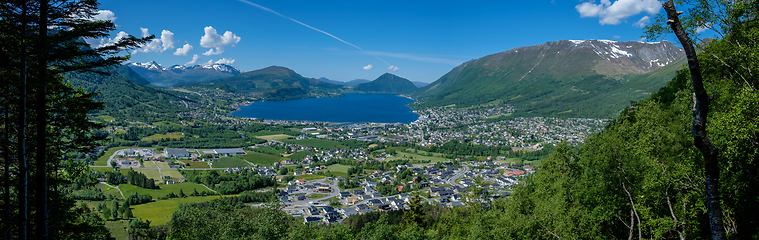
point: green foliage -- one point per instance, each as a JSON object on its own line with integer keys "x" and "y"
{"x": 230, "y": 182}
{"x": 219, "y": 220}
{"x": 136, "y": 199}
{"x": 140, "y": 180}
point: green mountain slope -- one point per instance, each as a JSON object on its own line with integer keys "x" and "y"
{"x": 277, "y": 83}
{"x": 569, "y": 78}
{"x": 387, "y": 83}
{"x": 125, "y": 99}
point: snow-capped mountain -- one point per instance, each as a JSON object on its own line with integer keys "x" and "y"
{"x": 162, "y": 76}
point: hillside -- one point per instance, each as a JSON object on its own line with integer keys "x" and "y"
{"x": 568, "y": 78}
{"x": 161, "y": 76}
{"x": 126, "y": 99}
{"x": 277, "y": 83}
{"x": 387, "y": 83}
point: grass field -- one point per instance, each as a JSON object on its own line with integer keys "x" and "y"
{"x": 108, "y": 169}
{"x": 167, "y": 123}
{"x": 417, "y": 157}
{"x": 262, "y": 159}
{"x": 149, "y": 164}
{"x": 338, "y": 170}
{"x": 159, "y": 212}
{"x": 162, "y": 164}
{"x": 150, "y": 173}
{"x": 110, "y": 191}
{"x": 276, "y": 137}
{"x": 186, "y": 187}
{"x": 299, "y": 155}
{"x": 158, "y": 137}
{"x": 196, "y": 164}
{"x": 319, "y": 143}
{"x": 174, "y": 174}
{"x": 103, "y": 159}
{"x": 117, "y": 228}
{"x": 105, "y": 118}
{"x": 227, "y": 162}
{"x": 270, "y": 151}
{"x": 310, "y": 177}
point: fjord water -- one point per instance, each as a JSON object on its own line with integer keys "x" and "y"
{"x": 353, "y": 108}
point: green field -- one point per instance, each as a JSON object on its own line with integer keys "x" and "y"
{"x": 266, "y": 132}
{"x": 149, "y": 164}
{"x": 108, "y": 169}
{"x": 338, "y": 170}
{"x": 299, "y": 155}
{"x": 105, "y": 118}
{"x": 158, "y": 137}
{"x": 186, "y": 187}
{"x": 270, "y": 150}
{"x": 150, "y": 173}
{"x": 103, "y": 159}
{"x": 167, "y": 123}
{"x": 318, "y": 143}
{"x": 227, "y": 162}
{"x": 276, "y": 137}
{"x": 195, "y": 164}
{"x": 310, "y": 177}
{"x": 173, "y": 173}
{"x": 417, "y": 157}
{"x": 159, "y": 212}
{"x": 117, "y": 228}
{"x": 261, "y": 158}
{"x": 110, "y": 191}
{"x": 162, "y": 164}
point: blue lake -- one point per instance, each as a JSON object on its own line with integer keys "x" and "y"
{"x": 353, "y": 108}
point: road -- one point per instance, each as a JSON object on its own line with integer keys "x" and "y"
{"x": 460, "y": 173}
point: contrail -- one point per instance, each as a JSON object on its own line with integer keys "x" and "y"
{"x": 308, "y": 26}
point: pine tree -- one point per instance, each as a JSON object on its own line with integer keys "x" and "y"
{"x": 43, "y": 117}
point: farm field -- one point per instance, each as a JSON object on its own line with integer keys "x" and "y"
{"x": 262, "y": 159}
{"x": 300, "y": 155}
{"x": 186, "y": 187}
{"x": 159, "y": 212}
{"x": 195, "y": 164}
{"x": 319, "y": 143}
{"x": 117, "y": 228}
{"x": 276, "y": 137}
{"x": 162, "y": 164}
{"x": 158, "y": 137}
{"x": 108, "y": 169}
{"x": 228, "y": 162}
{"x": 338, "y": 170}
{"x": 149, "y": 164}
{"x": 150, "y": 173}
{"x": 173, "y": 173}
{"x": 417, "y": 157}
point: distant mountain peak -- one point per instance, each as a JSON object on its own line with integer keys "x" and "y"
{"x": 159, "y": 75}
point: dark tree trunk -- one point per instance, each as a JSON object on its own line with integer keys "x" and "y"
{"x": 700, "y": 113}
{"x": 21, "y": 133}
{"x": 41, "y": 110}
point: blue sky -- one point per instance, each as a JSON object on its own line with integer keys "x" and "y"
{"x": 417, "y": 40}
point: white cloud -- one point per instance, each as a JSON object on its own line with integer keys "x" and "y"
{"x": 104, "y": 15}
{"x": 217, "y": 42}
{"x": 211, "y": 51}
{"x": 614, "y": 13}
{"x": 164, "y": 43}
{"x": 225, "y": 61}
{"x": 194, "y": 60}
{"x": 145, "y": 32}
{"x": 393, "y": 68}
{"x": 368, "y": 67}
{"x": 103, "y": 42}
{"x": 167, "y": 38}
{"x": 183, "y": 50}
{"x": 642, "y": 22}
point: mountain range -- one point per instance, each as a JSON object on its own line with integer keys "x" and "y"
{"x": 387, "y": 83}
{"x": 161, "y": 76}
{"x": 568, "y": 78}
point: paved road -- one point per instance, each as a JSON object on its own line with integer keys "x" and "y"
{"x": 456, "y": 176}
